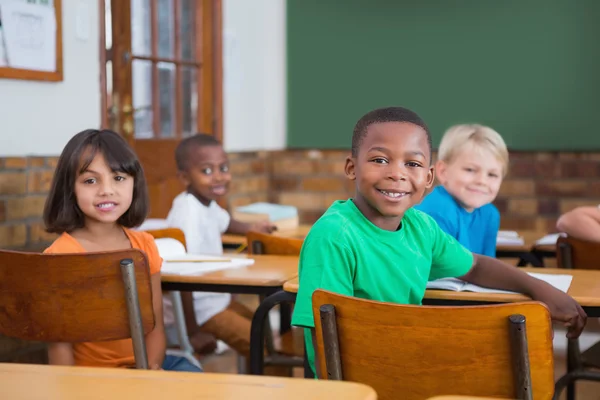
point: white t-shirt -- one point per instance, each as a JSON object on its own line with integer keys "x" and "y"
{"x": 202, "y": 227}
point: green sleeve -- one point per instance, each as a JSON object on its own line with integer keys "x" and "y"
{"x": 327, "y": 264}
{"x": 450, "y": 259}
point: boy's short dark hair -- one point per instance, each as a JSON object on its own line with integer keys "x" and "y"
{"x": 389, "y": 114}
{"x": 184, "y": 148}
{"x": 61, "y": 213}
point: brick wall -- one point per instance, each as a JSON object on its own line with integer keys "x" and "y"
{"x": 24, "y": 184}
{"x": 538, "y": 188}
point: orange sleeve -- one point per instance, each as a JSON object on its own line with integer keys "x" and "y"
{"x": 154, "y": 259}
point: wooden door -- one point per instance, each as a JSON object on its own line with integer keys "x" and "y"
{"x": 163, "y": 80}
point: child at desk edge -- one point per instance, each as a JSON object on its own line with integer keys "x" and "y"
{"x": 377, "y": 246}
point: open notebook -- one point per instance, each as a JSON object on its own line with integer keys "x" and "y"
{"x": 561, "y": 282}
{"x": 177, "y": 261}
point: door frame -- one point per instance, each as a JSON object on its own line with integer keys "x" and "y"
{"x": 212, "y": 44}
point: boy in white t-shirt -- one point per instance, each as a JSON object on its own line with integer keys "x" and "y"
{"x": 203, "y": 167}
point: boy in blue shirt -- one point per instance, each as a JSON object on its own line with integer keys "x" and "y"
{"x": 472, "y": 160}
{"x": 377, "y": 246}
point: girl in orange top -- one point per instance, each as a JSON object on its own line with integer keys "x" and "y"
{"x": 99, "y": 192}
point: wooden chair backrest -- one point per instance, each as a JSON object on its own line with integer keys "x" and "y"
{"x": 70, "y": 297}
{"x": 263, "y": 243}
{"x": 173, "y": 233}
{"x": 577, "y": 254}
{"x": 416, "y": 352}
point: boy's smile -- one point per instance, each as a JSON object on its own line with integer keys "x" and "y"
{"x": 208, "y": 175}
{"x": 391, "y": 170}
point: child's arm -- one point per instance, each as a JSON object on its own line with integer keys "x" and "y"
{"x": 241, "y": 228}
{"x": 155, "y": 340}
{"x": 60, "y": 354}
{"x": 582, "y": 223}
{"x": 492, "y": 273}
{"x": 491, "y": 235}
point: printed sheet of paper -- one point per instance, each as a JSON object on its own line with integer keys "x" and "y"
{"x": 29, "y": 32}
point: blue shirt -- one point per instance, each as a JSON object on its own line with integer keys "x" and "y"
{"x": 476, "y": 230}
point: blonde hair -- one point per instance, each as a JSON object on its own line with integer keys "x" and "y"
{"x": 473, "y": 137}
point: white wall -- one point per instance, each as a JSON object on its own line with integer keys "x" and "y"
{"x": 254, "y": 63}
{"x": 38, "y": 118}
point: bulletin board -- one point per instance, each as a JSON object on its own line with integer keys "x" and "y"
{"x": 31, "y": 40}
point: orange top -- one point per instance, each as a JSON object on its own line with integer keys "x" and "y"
{"x": 114, "y": 353}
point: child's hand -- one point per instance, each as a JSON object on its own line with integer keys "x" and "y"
{"x": 563, "y": 308}
{"x": 264, "y": 227}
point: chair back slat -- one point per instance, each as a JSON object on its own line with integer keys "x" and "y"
{"x": 263, "y": 243}
{"x": 416, "y": 352}
{"x": 577, "y": 254}
{"x": 70, "y": 297}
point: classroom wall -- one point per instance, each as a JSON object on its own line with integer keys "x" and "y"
{"x": 39, "y": 117}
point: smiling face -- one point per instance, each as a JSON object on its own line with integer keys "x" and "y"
{"x": 207, "y": 176}
{"x": 391, "y": 170}
{"x": 103, "y": 195}
{"x": 473, "y": 177}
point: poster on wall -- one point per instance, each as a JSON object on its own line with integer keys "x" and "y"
{"x": 28, "y": 34}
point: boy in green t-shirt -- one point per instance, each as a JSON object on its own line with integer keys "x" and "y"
{"x": 376, "y": 246}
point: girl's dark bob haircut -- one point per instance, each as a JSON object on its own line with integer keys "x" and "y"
{"x": 61, "y": 213}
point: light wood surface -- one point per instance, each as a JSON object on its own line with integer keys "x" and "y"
{"x": 585, "y": 288}
{"x": 462, "y": 398}
{"x": 463, "y": 349}
{"x": 267, "y": 270}
{"x": 62, "y": 297}
{"x": 239, "y": 240}
{"x": 27, "y": 382}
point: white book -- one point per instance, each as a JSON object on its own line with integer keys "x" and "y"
{"x": 177, "y": 261}
{"x": 561, "y": 282}
{"x": 549, "y": 239}
{"x": 509, "y": 238}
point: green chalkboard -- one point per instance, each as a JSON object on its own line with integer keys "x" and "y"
{"x": 528, "y": 68}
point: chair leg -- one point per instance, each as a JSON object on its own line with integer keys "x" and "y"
{"x": 574, "y": 363}
{"x": 520, "y": 351}
{"x": 135, "y": 314}
{"x": 187, "y": 350}
{"x": 257, "y": 331}
{"x": 330, "y": 342}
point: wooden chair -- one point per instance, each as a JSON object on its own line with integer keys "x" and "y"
{"x": 578, "y": 254}
{"x": 415, "y": 352}
{"x": 289, "y": 350}
{"x": 85, "y": 297}
{"x": 186, "y": 349}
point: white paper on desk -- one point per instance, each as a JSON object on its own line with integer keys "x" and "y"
{"x": 29, "y": 35}
{"x": 509, "y": 238}
{"x": 172, "y": 250}
{"x": 549, "y": 239}
{"x": 561, "y": 282}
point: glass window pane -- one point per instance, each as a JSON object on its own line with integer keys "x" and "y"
{"x": 142, "y": 98}
{"x": 166, "y": 98}
{"x": 187, "y": 29}
{"x": 108, "y": 24}
{"x": 166, "y": 28}
{"x": 140, "y": 28}
{"x": 189, "y": 101}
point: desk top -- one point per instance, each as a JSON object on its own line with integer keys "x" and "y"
{"x": 461, "y": 398}
{"x": 20, "y": 382}
{"x": 238, "y": 240}
{"x": 585, "y": 288}
{"x": 267, "y": 270}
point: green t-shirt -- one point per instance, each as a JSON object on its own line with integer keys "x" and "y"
{"x": 346, "y": 254}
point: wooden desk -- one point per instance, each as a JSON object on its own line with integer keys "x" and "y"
{"x": 239, "y": 240}
{"x": 585, "y": 288}
{"x": 266, "y": 275}
{"x": 461, "y": 398}
{"x": 21, "y": 382}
